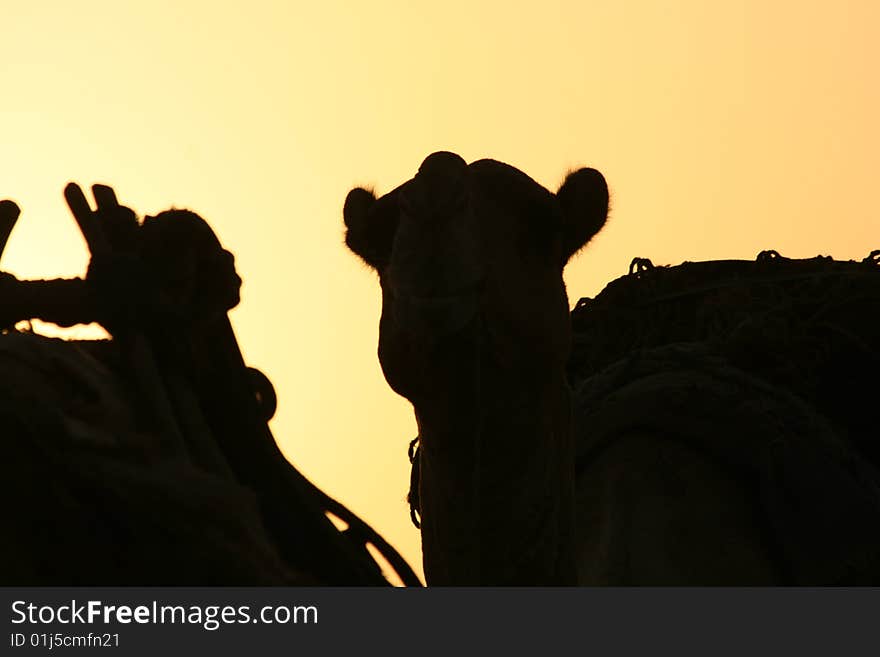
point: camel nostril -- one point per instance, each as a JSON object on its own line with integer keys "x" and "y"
{"x": 440, "y": 186}
{"x": 443, "y": 169}
{"x": 442, "y": 163}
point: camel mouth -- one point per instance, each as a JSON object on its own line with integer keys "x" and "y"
{"x": 438, "y": 190}
{"x": 442, "y": 163}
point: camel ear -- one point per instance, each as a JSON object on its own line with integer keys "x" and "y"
{"x": 368, "y": 234}
{"x": 583, "y": 198}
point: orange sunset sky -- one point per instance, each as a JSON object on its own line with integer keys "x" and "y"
{"x": 722, "y": 128}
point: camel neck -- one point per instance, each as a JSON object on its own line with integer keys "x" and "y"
{"x": 497, "y": 482}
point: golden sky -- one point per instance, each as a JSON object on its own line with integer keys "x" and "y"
{"x": 723, "y": 129}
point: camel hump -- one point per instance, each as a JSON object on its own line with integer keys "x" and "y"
{"x": 765, "y": 369}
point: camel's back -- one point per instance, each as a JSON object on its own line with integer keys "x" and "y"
{"x": 91, "y": 496}
{"x": 765, "y": 370}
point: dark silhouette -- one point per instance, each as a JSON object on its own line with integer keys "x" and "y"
{"x": 712, "y": 437}
{"x": 147, "y": 459}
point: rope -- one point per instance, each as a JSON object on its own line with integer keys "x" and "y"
{"x": 639, "y": 265}
{"x": 412, "y": 497}
{"x": 361, "y": 533}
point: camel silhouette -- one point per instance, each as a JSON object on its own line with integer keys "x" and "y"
{"x": 710, "y": 423}
{"x": 670, "y": 463}
{"x": 147, "y": 459}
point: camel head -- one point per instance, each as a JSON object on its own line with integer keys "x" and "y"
{"x": 459, "y": 244}
{"x": 475, "y": 332}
